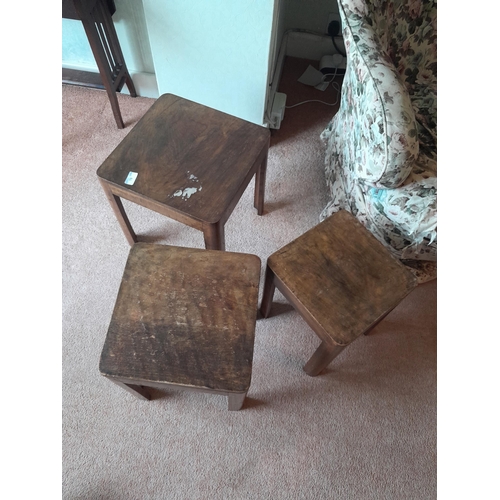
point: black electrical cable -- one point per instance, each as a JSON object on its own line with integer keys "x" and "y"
{"x": 338, "y": 50}
{"x": 333, "y": 31}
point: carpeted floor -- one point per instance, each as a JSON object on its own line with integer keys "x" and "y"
{"x": 364, "y": 429}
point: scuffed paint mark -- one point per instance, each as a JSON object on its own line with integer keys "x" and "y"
{"x": 187, "y": 192}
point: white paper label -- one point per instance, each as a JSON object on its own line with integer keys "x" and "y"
{"x": 131, "y": 177}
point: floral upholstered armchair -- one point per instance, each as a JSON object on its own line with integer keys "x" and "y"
{"x": 381, "y": 157}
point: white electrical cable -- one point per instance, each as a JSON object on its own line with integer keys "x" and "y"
{"x": 335, "y": 85}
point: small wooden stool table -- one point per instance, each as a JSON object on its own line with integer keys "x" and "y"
{"x": 342, "y": 281}
{"x": 184, "y": 318}
{"x": 188, "y": 162}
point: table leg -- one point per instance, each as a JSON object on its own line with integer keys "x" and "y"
{"x": 377, "y": 322}
{"x": 138, "y": 391}
{"x": 115, "y": 107}
{"x": 214, "y": 236}
{"x": 130, "y": 85}
{"x": 260, "y": 186}
{"x": 321, "y": 358}
{"x": 235, "y": 401}
{"x": 117, "y": 206}
{"x": 268, "y": 293}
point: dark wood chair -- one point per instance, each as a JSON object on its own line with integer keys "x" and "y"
{"x": 95, "y": 16}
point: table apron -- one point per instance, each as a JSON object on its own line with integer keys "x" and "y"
{"x": 156, "y": 206}
{"x": 166, "y": 385}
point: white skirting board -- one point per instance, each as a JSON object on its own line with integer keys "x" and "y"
{"x": 306, "y": 45}
{"x": 144, "y": 83}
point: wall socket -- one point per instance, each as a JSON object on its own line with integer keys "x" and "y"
{"x": 334, "y": 16}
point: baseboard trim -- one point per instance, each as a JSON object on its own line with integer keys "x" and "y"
{"x": 144, "y": 83}
{"x": 306, "y": 45}
{"x": 82, "y": 78}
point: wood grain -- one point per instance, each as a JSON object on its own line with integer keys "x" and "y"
{"x": 184, "y": 317}
{"x": 340, "y": 279}
{"x": 351, "y": 279}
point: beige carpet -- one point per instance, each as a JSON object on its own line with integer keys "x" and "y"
{"x": 365, "y": 429}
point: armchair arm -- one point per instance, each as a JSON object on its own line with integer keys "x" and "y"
{"x": 375, "y": 126}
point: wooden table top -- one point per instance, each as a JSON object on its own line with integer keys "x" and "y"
{"x": 189, "y": 157}
{"x": 184, "y": 316}
{"x": 342, "y": 275}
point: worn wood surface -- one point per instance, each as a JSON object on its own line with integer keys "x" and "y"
{"x": 184, "y": 317}
{"x": 192, "y": 160}
{"x": 339, "y": 277}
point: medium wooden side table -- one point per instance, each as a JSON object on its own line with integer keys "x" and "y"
{"x": 188, "y": 162}
{"x": 184, "y": 319}
{"x": 341, "y": 280}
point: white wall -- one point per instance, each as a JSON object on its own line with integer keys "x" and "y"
{"x": 213, "y": 52}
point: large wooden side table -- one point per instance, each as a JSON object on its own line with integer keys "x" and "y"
{"x": 340, "y": 279}
{"x": 188, "y": 162}
{"x": 184, "y": 319}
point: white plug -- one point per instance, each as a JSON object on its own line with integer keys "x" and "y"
{"x": 331, "y": 62}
